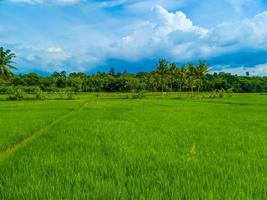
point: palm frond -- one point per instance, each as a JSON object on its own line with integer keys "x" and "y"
{"x": 6, "y": 62}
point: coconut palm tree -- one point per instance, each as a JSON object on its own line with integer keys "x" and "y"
{"x": 201, "y": 71}
{"x": 181, "y": 75}
{"x": 161, "y": 71}
{"x": 172, "y": 72}
{"x": 6, "y": 63}
{"x": 191, "y": 83}
{"x": 191, "y": 69}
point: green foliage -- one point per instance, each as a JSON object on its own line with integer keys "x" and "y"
{"x": 16, "y": 94}
{"x": 66, "y": 94}
{"x": 139, "y": 95}
{"x": 5, "y": 89}
{"x": 69, "y": 93}
{"x": 219, "y": 94}
{"x": 40, "y": 95}
{"x": 129, "y": 149}
{"x": 21, "y": 119}
{"x": 167, "y": 77}
{"x": 6, "y": 62}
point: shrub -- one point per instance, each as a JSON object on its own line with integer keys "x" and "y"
{"x": 218, "y": 94}
{"x": 5, "y": 89}
{"x": 69, "y": 93}
{"x": 16, "y": 94}
{"x": 139, "y": 95}
{"x": 40, "y": 95}
{"x": 29, "y": 89}
{"x": 221, "y": 93}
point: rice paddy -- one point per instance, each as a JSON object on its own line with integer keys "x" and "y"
{"x": 152, "y": 148}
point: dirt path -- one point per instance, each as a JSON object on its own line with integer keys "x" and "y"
{"x": 14, "y": 147}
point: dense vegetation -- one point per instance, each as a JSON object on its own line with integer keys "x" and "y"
{"x": 166, "y": 77}
{"x": 134, "y": 149}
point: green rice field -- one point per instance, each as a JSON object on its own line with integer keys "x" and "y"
{"x": 111, "y": 147}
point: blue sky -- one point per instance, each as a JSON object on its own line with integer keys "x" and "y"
{"x": 94, "y": 35}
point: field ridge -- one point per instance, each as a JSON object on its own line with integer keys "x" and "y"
{"x": 11, "y": 148}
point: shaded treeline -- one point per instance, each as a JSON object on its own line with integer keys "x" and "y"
{"x": 166, "y": 77}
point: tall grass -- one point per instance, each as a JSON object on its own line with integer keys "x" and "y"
{"x": 145, "y": 149}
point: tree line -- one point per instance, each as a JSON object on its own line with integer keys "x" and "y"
{"x": 166, "y": 77}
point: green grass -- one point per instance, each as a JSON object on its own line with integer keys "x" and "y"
{"x": 152, "y": 148}
{"x": 21, "y": 119}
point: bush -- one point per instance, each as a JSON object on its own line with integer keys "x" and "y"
{"x": 218, "y": 94}
{"x": 29, "y": 89}
{"x": 40, "y": 95}
{"x": 66, "y": 93}
{"x": 139, "y": 95}
{"x": 16, "y": 94}
{"x": 5, "y": 89}
{"x": 69, "y": 92}
{"x": 221, "y": 93}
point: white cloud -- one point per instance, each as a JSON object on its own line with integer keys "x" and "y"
{"x": 258, "y": 70}
{"x": 247, "y": 33}
{"x": 163, "y": 34}
{"x": 174, "y": 36}
{"x": 169, "y": 22}
{"x": 48, "y": 60}
{"x": 57, "y": 54}
{"x": 54, "y": 50}
{"x": 157, "y": 36}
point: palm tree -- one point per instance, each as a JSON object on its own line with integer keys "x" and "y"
{"x": 201, "y": 70}
{"x": 161, "y": 71}
{"x": 191, "y": 83}
{"x": 6, "y": 63}
{"x": 172, "y": 72}
{"x": 191, "y": 69}
{"x": 191, "y": 74}
{"x": 181, "y": 75}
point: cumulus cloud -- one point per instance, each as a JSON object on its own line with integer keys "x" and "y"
{"x": 48, "y": 60}
{"x": 171, "y": 35}
{"x": 249, "y": 33}
{"x": 163, "y": 35}
{"x": 56, "y": 54}
{"x": 167, "y": 22}
{"x": 174, "y": 36}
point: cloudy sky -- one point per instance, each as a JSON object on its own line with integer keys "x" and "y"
{"x": 94, "y": 35}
